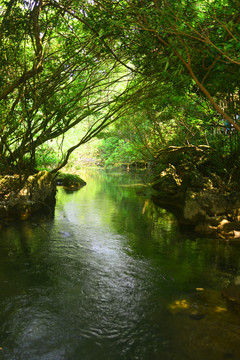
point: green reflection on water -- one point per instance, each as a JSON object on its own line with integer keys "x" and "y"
{"x": 111, "y": 277}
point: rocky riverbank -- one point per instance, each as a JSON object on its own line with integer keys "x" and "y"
{"x": 205, "y": 204}
{"x": 21, "y": 196}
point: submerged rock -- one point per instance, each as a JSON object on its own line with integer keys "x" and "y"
{"x": 197, "y": 316}
{"x": 232, "y": 295}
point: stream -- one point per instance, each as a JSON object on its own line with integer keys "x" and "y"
{"x": 110, "y": 277}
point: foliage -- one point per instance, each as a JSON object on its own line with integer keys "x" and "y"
{"x": 114, "y": 150}
{"x": 190, "y": 44}
{"x": 53, "y": 77}
{"x": 167, "y": 71}
{"x": 164, "y": 118}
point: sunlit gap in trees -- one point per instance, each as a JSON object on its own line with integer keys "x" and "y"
{"x": 29, "y": 4}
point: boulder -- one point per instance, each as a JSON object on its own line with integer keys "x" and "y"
{"x": 21, "y": 197}
{"x": 197, "y": 202}
{"x": 70, "y": 182}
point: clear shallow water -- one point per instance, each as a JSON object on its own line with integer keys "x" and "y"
{"x": 110, "y": 277}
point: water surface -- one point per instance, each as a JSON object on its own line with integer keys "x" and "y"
{"x": 110, "y": 277}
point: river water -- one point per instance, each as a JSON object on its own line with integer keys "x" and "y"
{"x": 110, "y": 277}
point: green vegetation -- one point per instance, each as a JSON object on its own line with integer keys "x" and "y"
{"x": 69, "y": 181}
{"x": 128, "y": 78}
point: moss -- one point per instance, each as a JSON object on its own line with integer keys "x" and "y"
{"x": 20, "y": 197}
{"x": 70, "y": 181}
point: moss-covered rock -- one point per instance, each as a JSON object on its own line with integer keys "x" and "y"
{"x": 201, "y": 202}
{"x": 21, "y": 196}
{"x": 70, "y": 182}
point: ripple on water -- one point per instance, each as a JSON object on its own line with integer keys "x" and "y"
{"x": 109, "y": 278}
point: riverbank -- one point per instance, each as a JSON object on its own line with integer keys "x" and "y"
{"x": 204, "y": 205}
{"x": 202, "y": 200}
{"x": 21, "y": 196}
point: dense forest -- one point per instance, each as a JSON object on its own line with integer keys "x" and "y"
{"x": 141, "y": 76}
{"x": 137, "y": 81}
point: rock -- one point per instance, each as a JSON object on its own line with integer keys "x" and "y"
{"x": 204, "y": 203}
{"x": 24, "y": 198}
{"x": 197, "y": 203}
{"x": 205, "y": 228}
{"x": 70, "y": 182}
{"x": 228, "y": 226}
{"x": 236, "y": 234}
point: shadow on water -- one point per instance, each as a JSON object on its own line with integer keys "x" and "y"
{"x": 110, "y": 277}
